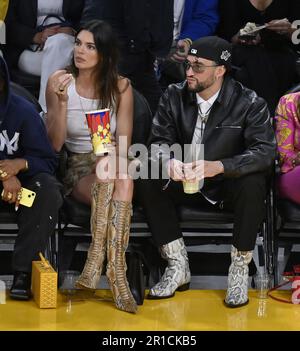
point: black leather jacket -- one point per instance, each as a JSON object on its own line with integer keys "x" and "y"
{"x": 238, "y": 131}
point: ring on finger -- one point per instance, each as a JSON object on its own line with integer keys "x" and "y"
{"x": 9, "y": 196}
{"x": 3, "y": 174}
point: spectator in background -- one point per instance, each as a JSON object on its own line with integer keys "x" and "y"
{"x": 26, "y": 160}
{"x": 40, "y": 36}
{"x": 193, "y": 19}
{"x": 145, "y": 30}
{"x": 267, "y": 62}
{"x": 287, "y": 119}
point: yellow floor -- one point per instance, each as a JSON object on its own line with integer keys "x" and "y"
{"x": 200, "y": 310}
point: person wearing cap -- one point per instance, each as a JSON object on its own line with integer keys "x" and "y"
{"x": 233, "y": 124}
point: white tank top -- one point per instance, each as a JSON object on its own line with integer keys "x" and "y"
{"x": 78, "y": 138}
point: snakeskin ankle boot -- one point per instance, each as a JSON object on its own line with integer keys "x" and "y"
{"x": 177, "y": 275}
{"x": 237, "y": 291}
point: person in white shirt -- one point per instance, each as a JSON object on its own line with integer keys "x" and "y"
{"x": 40, "y": 37}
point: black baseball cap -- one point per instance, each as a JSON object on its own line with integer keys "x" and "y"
{"x": 213, "y": 48}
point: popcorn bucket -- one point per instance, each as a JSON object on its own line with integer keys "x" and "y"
{"x": 99, "y": 126}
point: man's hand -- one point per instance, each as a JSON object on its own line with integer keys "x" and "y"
{"x": 202, "y": 169}
{"x": 11, "y": 168}
{"x": 48, "y": 32}
{"x": 66, "y": 30}
{"x": 11, "y": 188}
{"x": 40, "y": 38}
{"x": 281, "y": 26}
{"x": 181, "y": 51}
{"x": 175, "y": 170}
{"x": 244, "y": 40}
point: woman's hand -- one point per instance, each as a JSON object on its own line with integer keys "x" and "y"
{"x": 11, "y": 188}
{"x": 296, "y": 161}
{"x": 9, "y": 168}
{"x": 60, "y": 84}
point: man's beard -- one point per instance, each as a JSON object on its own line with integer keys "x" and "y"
{"x": 202, "y": 86}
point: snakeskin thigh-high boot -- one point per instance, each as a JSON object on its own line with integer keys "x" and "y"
{"x": 101, "y": 198}
{"x": 118, "y": 237}
{"x": 177, "y": 275}
{"x": 237, "y": 291}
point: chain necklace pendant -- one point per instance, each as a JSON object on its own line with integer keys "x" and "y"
{"x": 83, "y": 110}
{"x": 204, "y": 117}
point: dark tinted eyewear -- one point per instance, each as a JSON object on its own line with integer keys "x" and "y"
{"x": 196, "y": 67}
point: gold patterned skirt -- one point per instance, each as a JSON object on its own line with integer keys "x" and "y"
{"x": 79, "y": 166}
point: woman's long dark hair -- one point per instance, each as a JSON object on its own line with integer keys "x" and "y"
{"x": 106, "y": 71}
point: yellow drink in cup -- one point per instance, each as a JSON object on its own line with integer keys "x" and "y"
{"x": 191, "y": 187}
{"x": 99, "y": 126}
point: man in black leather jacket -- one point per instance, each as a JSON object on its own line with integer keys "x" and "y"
{"x": 233, "y": 124}
{"x": 145, "y": 30}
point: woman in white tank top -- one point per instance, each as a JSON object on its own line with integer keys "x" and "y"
{"x": 94, "y": 84}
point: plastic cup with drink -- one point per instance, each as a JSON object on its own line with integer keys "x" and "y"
{"x": 191, "y": 186}
{"x": 192, "y": 154}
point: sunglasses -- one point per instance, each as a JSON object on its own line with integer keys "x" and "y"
{"x": 196, "y": 66}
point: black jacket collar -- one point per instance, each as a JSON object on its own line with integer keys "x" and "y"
{"x": 218, "y": 111}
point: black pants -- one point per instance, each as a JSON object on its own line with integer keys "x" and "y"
{"x": 139, "y": 68}
{"x": 35, "y": 223}
{"x": 245, "y": 196}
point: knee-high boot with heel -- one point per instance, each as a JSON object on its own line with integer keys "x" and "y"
{"x": 101, "y": 199}
{"x": 118, "y": 237}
